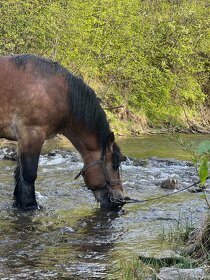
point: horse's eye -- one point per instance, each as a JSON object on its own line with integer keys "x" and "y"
{"x": 123, "y": 158}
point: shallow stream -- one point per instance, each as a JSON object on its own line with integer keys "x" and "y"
{"x": 71, "y": 238}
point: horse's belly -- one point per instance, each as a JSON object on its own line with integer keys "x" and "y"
{"x": 6, "y": 127}
{"x": 6, "y": 132}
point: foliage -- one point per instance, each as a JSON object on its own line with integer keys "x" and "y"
{"x": 149, "y": 56}
{"x": 204, "y": 156}
{"x": 203, "y": 171}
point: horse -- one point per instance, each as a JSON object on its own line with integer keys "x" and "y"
{"x": 39, "y": 98}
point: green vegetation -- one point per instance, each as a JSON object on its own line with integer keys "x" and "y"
{"x": 203, "y": 171}
{"x": 195, "y": 244}
{"x": 178, "y": 234}
{"x": 150, "y": 59}
{"x": 134, "y": 269}
{"x": 204, "y": 157}
{"x": 148, "y": 267}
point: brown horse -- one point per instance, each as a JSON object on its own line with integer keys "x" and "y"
{"x": 38, "y": 99}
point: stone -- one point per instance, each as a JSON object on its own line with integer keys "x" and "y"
{"x": 169, "y": 184}
{"x": 172, "y": 273}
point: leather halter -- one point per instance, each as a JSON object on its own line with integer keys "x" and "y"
{"x": 108, "y": 183}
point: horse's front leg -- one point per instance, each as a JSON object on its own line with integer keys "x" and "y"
{"x": 29, "y": 148}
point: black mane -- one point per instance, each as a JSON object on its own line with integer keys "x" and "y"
{"x": 83, "y": 103}
{"x": 117, "y": 157}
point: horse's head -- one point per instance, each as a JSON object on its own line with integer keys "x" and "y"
{"x": 102, "y": 177}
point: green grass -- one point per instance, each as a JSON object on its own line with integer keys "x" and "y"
{"x": 133, "y": 269}
{"x": 140, "y": 267}
{"x": 178, "y": 234}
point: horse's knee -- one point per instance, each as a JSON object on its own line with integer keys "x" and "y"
{"x": 29, "y": 168}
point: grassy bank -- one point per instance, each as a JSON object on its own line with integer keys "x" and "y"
{"x": 193, "y": 244}
{"x": 137, "y": 123}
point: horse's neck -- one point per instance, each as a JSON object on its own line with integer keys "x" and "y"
{"x": 86, "y": 144}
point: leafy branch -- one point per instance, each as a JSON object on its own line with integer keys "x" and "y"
{"x": 203, "y": 169}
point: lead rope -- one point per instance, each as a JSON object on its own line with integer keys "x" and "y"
{"x": 129, "y": 200}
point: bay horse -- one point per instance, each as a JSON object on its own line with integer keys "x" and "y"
{"x": 39, "y": 98}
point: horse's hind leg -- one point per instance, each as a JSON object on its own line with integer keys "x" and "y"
{"x": 26, "y": 170}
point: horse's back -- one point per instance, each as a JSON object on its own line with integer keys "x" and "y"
{"x": 30, "y": 98}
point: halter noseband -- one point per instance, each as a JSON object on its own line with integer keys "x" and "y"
{"x": 108, "y": 183}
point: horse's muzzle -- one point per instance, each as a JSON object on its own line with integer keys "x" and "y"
{"x": 117, "y": 204}
{"x": 112, "y": 204}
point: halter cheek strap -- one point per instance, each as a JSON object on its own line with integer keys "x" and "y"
{"x": 108, "y": 183}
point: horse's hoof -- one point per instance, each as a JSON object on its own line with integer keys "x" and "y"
{"x": 31, "y": 208}
{"x": 27, "y": 208}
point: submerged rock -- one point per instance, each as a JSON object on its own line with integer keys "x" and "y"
{"x": 170, "y": 161}
{"x": 161, "y": 261}
{"x": 167, "y": 259}
{"x": 169, "y": 184}
{"x": 172, "y": 273}
{"x": 198, "y": 189}
{"x": 10, "y": 154}
{"x": 67, "y": 230}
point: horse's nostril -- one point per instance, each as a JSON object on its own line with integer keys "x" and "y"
{"x": 112, "y": 204}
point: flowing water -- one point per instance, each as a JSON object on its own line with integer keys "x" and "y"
{"x": 71, "y": 238}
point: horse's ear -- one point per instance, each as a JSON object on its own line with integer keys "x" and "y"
{"x": 110, "y": 139}
{"x": 123, "y": 158}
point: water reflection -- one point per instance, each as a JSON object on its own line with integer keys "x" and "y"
{"x": 98, "y": 232}
{"x": 97, "y": 240}
{"x": 32, "y": 247}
